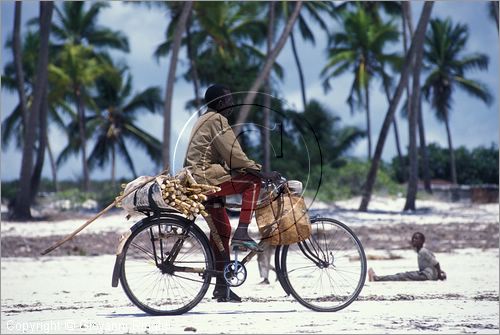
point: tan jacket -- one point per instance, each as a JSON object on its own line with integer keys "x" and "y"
{"x": 213, "y": 150}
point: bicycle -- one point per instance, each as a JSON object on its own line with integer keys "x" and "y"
{"x": 166, "y": 265}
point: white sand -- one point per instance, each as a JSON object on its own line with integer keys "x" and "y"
{"x": 74, "y": 294}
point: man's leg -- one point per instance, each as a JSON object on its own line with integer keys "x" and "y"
{"x": 223, "y": 226}
{"x": 402, "y": 276}
{"x": 249, "y": 187}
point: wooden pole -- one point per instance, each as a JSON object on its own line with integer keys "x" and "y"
{"x": 111, "y": 205}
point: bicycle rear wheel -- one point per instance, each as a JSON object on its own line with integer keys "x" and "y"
{"x": 157, "y": 281}
{"x": 326, "y": 272}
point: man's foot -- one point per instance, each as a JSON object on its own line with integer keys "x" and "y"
{"x": 264, "y": 282}
{"x": 242, "y": 241}
{"x": 244, "y": 245}
{"x": 371, "y": 275}
{"x": 220, "y": 293}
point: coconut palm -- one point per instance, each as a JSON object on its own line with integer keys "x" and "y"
{"x": 268, "y": 65}
{"x": 417, "y": 43}
{"x": 311, "y": 12}
{"x": 448, "y": 64}
{"x": 23, "y": 199}
{"x": 12, "y": 126}
{"x": 222, "y": 39}
{"x": 360, "y": 48}
{"x": 78, "y": 25}
{"x": 78, "y": 68}
{"x": 80, "y": 40}
{"x": 117, "y": 111}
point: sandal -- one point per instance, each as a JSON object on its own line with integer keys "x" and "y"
{"x": 243, "y": 245}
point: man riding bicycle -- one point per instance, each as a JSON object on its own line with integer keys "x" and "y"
{"x": 214, "y": 156}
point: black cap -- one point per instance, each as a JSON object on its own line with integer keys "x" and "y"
{"x": 213, "y": 93}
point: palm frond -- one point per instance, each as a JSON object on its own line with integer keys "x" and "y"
{"x": 475, "y": 88}
{"x": 149, "y": 99}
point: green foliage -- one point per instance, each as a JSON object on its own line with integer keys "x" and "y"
{"x": 476, "y": 166}
{"x": 9, "y": 190}
{"x": 347, "y": 181}
{"x": 102, "y": 192}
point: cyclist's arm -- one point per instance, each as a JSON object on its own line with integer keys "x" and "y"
{"x": 230, "y": 150}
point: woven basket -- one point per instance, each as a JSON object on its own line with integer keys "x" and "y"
{"x": 284, "y": 221}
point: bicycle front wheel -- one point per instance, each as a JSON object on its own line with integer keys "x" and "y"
{"x": 326, "y": 272}
{"x": 164, "y": 268}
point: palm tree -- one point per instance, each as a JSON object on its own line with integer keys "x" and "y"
{"x": 23, "y": 199}
{"x": 169, "y": 90}
{"x": 115, "y": 122}
{"x": 448, "y": 66}
{"x": 411, "y": 194}
{"x": 417, "y": 42}
{"x": 360, "y": 49}
{"x": 268, "y": 65}
{"x": 13, "y": 126}
{"x": 17, "y": 53}
{"x": 79, "y": 33}
{"x": 77, "y": 25}
{"x": 374, "y": 8}
{"x": 266, "y": 166}
{"x": 222, "y": 38}
{"x": 314, "y": 9}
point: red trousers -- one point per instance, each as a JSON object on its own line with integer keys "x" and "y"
{"x": 249, "y": 187}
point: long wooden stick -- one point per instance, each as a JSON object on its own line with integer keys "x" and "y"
{"x": 111, "y": 205}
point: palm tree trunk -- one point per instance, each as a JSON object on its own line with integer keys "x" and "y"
{"x": 42, "y": 145}
{"x": 423, "y": 150}
{"x": 411, "y": 194}
{"x": 417, "y": 42}
{"x": 271, "y": 58}
{"x": 169, "y": 90}
{"x": 394, "y": 123}
{"x": 368, "y": 123}
{"x": 83, "y": 140}
{"x": 23, "y": 199}
{"x": 267, "y": 98}
{"x": 452, "y": 154}
{"x": 299, "y": 69}
{"x": 113, "y": 166}
{"x": 53, "y": 166}
{"x": 421, "y": 129}
{"x": 407, "y": 35}
{"x": 194, "y": 68}
{"x": 18, "y": 57}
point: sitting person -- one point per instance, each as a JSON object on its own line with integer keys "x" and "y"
{"x": 428, "y": 266}
{"x": 214, "y": 156}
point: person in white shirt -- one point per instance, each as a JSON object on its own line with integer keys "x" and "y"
{"x": 428, "y": 266}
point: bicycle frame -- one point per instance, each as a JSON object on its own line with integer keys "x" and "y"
{"x": 167, "y": 264}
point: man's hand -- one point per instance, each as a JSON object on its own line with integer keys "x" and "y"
{"x": 272, "y": 176}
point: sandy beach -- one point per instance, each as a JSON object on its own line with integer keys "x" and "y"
{"x": 70, "y": 289}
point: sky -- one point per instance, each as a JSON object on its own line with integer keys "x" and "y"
{"x": 472, "y": 122}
